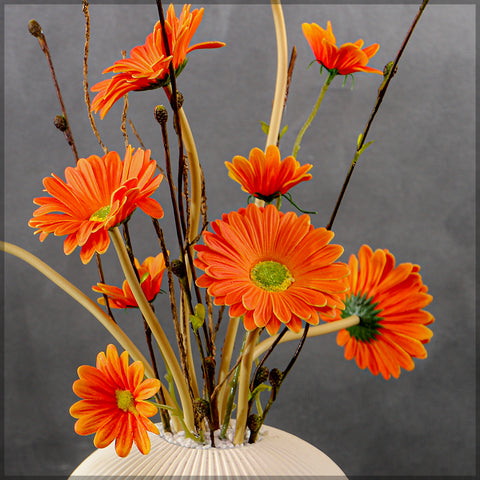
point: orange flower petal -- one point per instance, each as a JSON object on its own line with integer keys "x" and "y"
{"x": 385, "y": 341}
{"x": 254, "y": 235}
{"x": 102, "y": 414}
{"x": 347, "y": 59}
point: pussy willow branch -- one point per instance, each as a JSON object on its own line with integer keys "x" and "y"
{"x": 37, "y": 32}
{"x": 380, "y": 95}
{"x": 183, "y": 345}
{"x": 276, "y": 387}
{"x": 123, "y": 124}
{"x": 268, "y": 353}
{"x": 134, "y": 130}
{"x": 175, "y": 108}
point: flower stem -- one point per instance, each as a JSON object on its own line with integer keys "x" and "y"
{"x": 312, "y": 332}
{"x": 388, "y": 75}
{"x": 44, "y": 46}
{"x": 225, "y": 361}
{"x": 244, "y": 386}
{"x": 282, "y": 73}
{"x": 158, "y": 333}
{"x": 298, "y": 141}
{"x": 85, "y": 76}
{"x": 276, "y": 386}
{"x": 81, "y": 298}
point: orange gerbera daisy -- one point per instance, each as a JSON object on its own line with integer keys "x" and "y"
{"x": 271, "y": 268}
{"x": 347, "y": 59}
{"x": 113, "y": 405}
{"x": 389, "y": 301}
{"x": 99, "y": 193}
{"x": 148, "y": 65}
{"x": 150, "y": 273}
{"x": 264, "y": 175}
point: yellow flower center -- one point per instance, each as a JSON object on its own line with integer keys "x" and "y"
{"x": 271, "y": 276}
{"x": 101, "y": 214}
{"x": 125, "y": 400}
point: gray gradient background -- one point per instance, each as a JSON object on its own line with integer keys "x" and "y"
{"x": 413, "y": 193}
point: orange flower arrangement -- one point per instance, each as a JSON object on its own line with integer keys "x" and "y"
{"x": 264, "y": 175}
{"x": 150, "y": 272}
{"x": 113, "y": 405}
{"x": 389, "y": 301}
{"x": 271, "y": 268}
{"x": 148, "y": 65}
{"x": 344, "y": 60}
{"x": 99, "y": 193}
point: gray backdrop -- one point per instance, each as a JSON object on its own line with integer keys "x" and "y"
{"x": 413, "y": 193}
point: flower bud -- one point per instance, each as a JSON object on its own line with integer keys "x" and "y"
{"x": 161, "y": 114}
{"x": 179, "y": 99}
{"x": 210, "y": 367}
{"x": 275, "y": 377}
{"x": 260, "y": 377}
{"x": 254, "y": 422}
{"x": 34, "y": 28}
{"x": 60, "y": 122}
{"x": 201, "y": 407}
{"x": 178, "y": 268}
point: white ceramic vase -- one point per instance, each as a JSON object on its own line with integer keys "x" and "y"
{"x": 276, "y": 453}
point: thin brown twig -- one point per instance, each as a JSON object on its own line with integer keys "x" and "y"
{"x": 36, "y": 30}
{"x": 134, "y": 130}
{"x": 173, "y": 306}
{"x": 123, "y": 124}
{"x": 227, "y": 377}
{"x": 380, "y": 95}
{"x": 175, "y": 107}
{"x": 86, "y": 13}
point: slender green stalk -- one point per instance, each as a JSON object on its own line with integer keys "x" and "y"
{"x": 158, "y": 333}
{"x": 298, "y": 141}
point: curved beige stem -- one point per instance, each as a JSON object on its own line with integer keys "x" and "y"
{"x": 244, "y": 386}
{"x": 162, "y": 340}
{"x": 312, "y": 332}
{"x": 81, "y": 298}
{"x": 227, "y": 350}
{"x": 282, "y": 73}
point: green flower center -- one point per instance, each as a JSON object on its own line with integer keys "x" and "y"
{"x": 369, "y": 326}
{"x": 101, "y": 214}
{"x": 125, "y": 400}
{"x": 271, "y": 276}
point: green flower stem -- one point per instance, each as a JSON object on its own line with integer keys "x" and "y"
{"x": 162, "y": 340}
{"x": 244, "y": 386}
{"x": 298, "y": 141}
{"x": 313, "y": 332}
{"x": 282, "y": 73}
